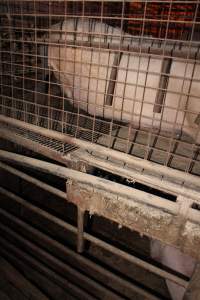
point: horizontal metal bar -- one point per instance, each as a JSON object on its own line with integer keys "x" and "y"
{"x": 27, "y": 288}
{"x": 57, "y": 264}
{"x": 155, "y": 52}
{"x": 161, "y": 184}
{"x": 13, "y": 253}
{"x": 85, "y": 262}
{"x": 131, "y": 258}
{"x": 92, "y": 181}
{"x": 33, "y": 180}
{"x": 137, "y": 261}
{"x": 193, "y": 54}
{"x": 103, "y": 17}
{"x": 148, "y": 220}
{"x": 34, "y": 146}
{"x": 107, "y": 152}
{"x": 152, "y": 39}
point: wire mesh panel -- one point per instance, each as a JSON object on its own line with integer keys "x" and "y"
{"x": 125, "y": 75}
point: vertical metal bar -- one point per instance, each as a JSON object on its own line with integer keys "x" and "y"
{"x": 49, "y": 124}
{"x": 12, "y": 111}
{"x": 1, "y": 81}
{"x": 80, "y": 224}
{"x": 113, "y": 77}
{"x": 117, "y": 59}
{"x": 165, "y": 70}
{"x": 44, "y": 61}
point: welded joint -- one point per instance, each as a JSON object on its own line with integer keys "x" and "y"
{"x": 184, "y": 204}
{"x": 183, "y": 214}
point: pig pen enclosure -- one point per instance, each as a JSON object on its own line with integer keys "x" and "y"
{"x": 100, "y": 108}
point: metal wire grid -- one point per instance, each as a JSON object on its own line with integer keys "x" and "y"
{"x": 55, "y": 145}
{"x": 32, "y": 93}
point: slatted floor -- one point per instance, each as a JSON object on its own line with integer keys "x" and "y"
{"x": 8, "y": 291}
{"x": 14, "y": 286}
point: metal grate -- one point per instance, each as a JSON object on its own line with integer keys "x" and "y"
{"x": 49, "y": 143}
{"x": 125, "y": 75}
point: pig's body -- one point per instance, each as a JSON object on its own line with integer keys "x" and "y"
{"x": 175, "y": 260}
{"x": 84, "y": 74}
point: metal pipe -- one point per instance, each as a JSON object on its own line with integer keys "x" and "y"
{"x": 153, "y": 181}
{"x": 137, "y": 261}
{"x": 106, "y": 152}
{"x": 91, "y": 180}
{"x": 80, "y": 232}
{"x": 142, "y": 50}
{"x": 134, "y": 175}
{"x": 58, "y": 266}
{"x": 13, "y": 253}
{"x": 95, "y": 240}
{"x": 28, "y": 289}
{"x": 156, "y": 50}
{"x": 34, "y": 181}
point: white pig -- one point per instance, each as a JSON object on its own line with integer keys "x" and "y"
{"x": 84, "y": 74}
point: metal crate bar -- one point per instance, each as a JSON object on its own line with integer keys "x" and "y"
{"x": 103, "y": 151}
{"x": 129, "y": 207}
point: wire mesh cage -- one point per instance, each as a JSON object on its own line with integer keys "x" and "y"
{"x": 125, "y": 74}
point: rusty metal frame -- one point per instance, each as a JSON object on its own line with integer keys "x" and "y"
{"x": 155, "y": 169}
{"x": 75, "y": 230}
{"x": 147, "y": 219}
{"x": 135, "y": 209}
{"x": 131, "y": 210}
{"x": 184, "y": 187}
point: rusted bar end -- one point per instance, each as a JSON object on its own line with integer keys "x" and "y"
{"x": 80, "y": 223}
